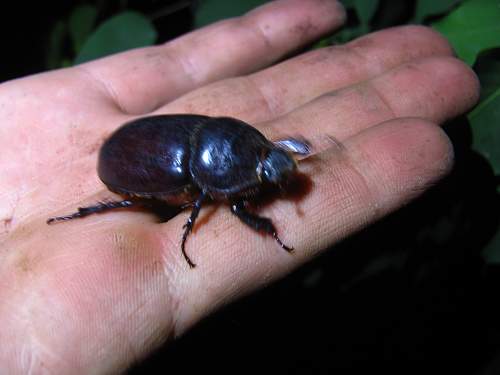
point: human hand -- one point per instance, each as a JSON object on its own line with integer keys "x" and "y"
{"x": 97, "y": 294}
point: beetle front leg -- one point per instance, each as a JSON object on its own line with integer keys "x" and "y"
{"x": 85, "y": 211}
{"x": 188, "y": 227}
{"x": 258, "y": 223}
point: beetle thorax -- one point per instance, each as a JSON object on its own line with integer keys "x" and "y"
{"x": 225, "y": 158}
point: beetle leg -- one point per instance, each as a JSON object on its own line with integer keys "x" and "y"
{"x": 188, "y": 227}
{"x": 258, "y": 223}
{"x": 85, "y": 211}
{"x": 186, "y": 205}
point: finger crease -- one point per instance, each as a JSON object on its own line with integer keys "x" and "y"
{"x": 189, "y": 68}
{"x": 258, "y": 31}
{"x": 104, "y": 86}
{"x": 170, "y": 269}
{"x": 271, "y": 105}
{"x": 373, "y": 211}
{"x": 369, "y": 64}
{"x": 385, "y": 102}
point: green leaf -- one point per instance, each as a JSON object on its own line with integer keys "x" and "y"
{"x": 348, "y": 33}
{"x": 365, "y": 10}
{"x": 491, "y": 252}
{"x": 54, "y": 53}
{"x": 81, "y": 22}
{"x": 487, "y": 68}
{"x": 485, "y": 123}
{"x": 427, "y": 8}
{"x": 472, "y": 28}
{"x": 210, "y": 11}
{"x": 348, "y": 3}
{"x": 322, "y": 43}
{"x": 124, "y": 31}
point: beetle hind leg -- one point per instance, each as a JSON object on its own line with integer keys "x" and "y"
{"x": 258, "y": 223}
{"x": 85, "y": 211}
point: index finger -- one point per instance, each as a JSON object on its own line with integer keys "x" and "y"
{"x": 140, "y": 81}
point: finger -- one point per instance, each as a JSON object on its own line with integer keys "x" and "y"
{"x": 435, "y": 88}
{"x": 379, "y": 170}
{"x": 144, "y": 79}
{"x": 281, "y": 88}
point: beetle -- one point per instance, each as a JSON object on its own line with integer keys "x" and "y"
{"x": 185, "y": 159}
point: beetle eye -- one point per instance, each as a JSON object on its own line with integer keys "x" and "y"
{"x": 277, "y": 165}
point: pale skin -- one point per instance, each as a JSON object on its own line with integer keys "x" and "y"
{"x": 95, "y": 295}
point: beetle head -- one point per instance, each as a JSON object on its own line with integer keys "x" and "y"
{"x": 277, "y": 166}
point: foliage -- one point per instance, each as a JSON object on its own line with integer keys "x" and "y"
{"x": 472, "y": 28}
{"x": 121, "y": 32}
{"x": 210, "y": 11}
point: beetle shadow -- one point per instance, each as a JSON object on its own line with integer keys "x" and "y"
{"x": 294, "y": 189}
{"x": 165, "y": 212}
{"x": 297, "y": 187}
{"x": 160, "y": 209}
{"x": 210, "y": 208}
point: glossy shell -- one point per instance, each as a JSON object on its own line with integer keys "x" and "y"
{"x": 226, "y": 157}
{"x": 147, "y": 157}
{"x": 172, "y": 157}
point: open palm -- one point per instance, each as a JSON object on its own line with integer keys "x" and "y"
{"x": 95, "y": 295}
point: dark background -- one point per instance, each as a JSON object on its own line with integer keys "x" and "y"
{"x": 26, "y": 29}
{"x": 411, "y": 294}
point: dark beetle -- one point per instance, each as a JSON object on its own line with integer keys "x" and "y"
{"x": 184, "y": 159}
